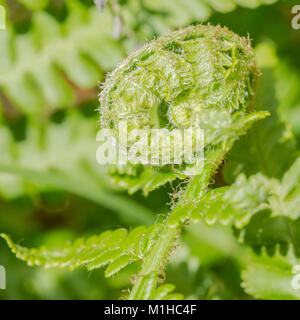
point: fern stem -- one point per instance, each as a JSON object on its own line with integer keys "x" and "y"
{"x": 156, "y": 259}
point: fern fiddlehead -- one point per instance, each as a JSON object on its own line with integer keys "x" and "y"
{"x": 200, "y": 76}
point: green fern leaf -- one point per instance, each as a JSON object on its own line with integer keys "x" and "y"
{"x": 269, "y": 148}
{"x": 163, "y": 15}
{"x": 116, "y": 249}
{"x": 266, "y": 209}
{"x": 237, "y": 204}
{"x": 268, "y": 232}
{"x": 287, "y": 87}
{"x": 164, "y": 292}
{"x": 259, "y": 192}
{"x": 32, "y": 67}
{"x": 146, "y": 180}
{"x": 271, "y": 278}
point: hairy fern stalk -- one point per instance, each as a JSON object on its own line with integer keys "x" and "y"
{"x": 201, "y": 76}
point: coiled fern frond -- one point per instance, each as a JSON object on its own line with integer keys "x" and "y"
{"x": 201, "y": 76}
{"x": 203, "y": 70}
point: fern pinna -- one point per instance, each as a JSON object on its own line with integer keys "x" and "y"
{"x": 210, "y": 72}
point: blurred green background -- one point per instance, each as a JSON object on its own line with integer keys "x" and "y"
{"x": 53, "y": 54}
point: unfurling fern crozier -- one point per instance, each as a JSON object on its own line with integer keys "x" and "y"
{"x": 198, "y": 77}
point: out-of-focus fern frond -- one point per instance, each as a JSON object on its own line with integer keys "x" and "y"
{"x": 61, "y": 156}
{"x": 34, "y": 65}
{"x": 155, "y": 17}
{"x": 34, "y": 4}
{"x": 270, "y": 209}
{"x": 116, "y": 249}
{"x": 288, "y": 93}
{"x": 272, "y": 233}
{"x": 260, "y": 192}
{"x": 271, "y": 277}
{"x": 269, "y": 148}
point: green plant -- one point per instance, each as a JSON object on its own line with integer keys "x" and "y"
{"x": 250, "y": 182}
{"x": 42, "y": 86}
{"x": 167, "y": 72}
{"x": 146, "y": 18}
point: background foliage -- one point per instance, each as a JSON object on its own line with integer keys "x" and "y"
{"x": 53, "y": 54}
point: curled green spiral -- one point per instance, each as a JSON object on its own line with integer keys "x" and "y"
{"x": 187, "y": 72}
{"x": 201, "y": 76}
